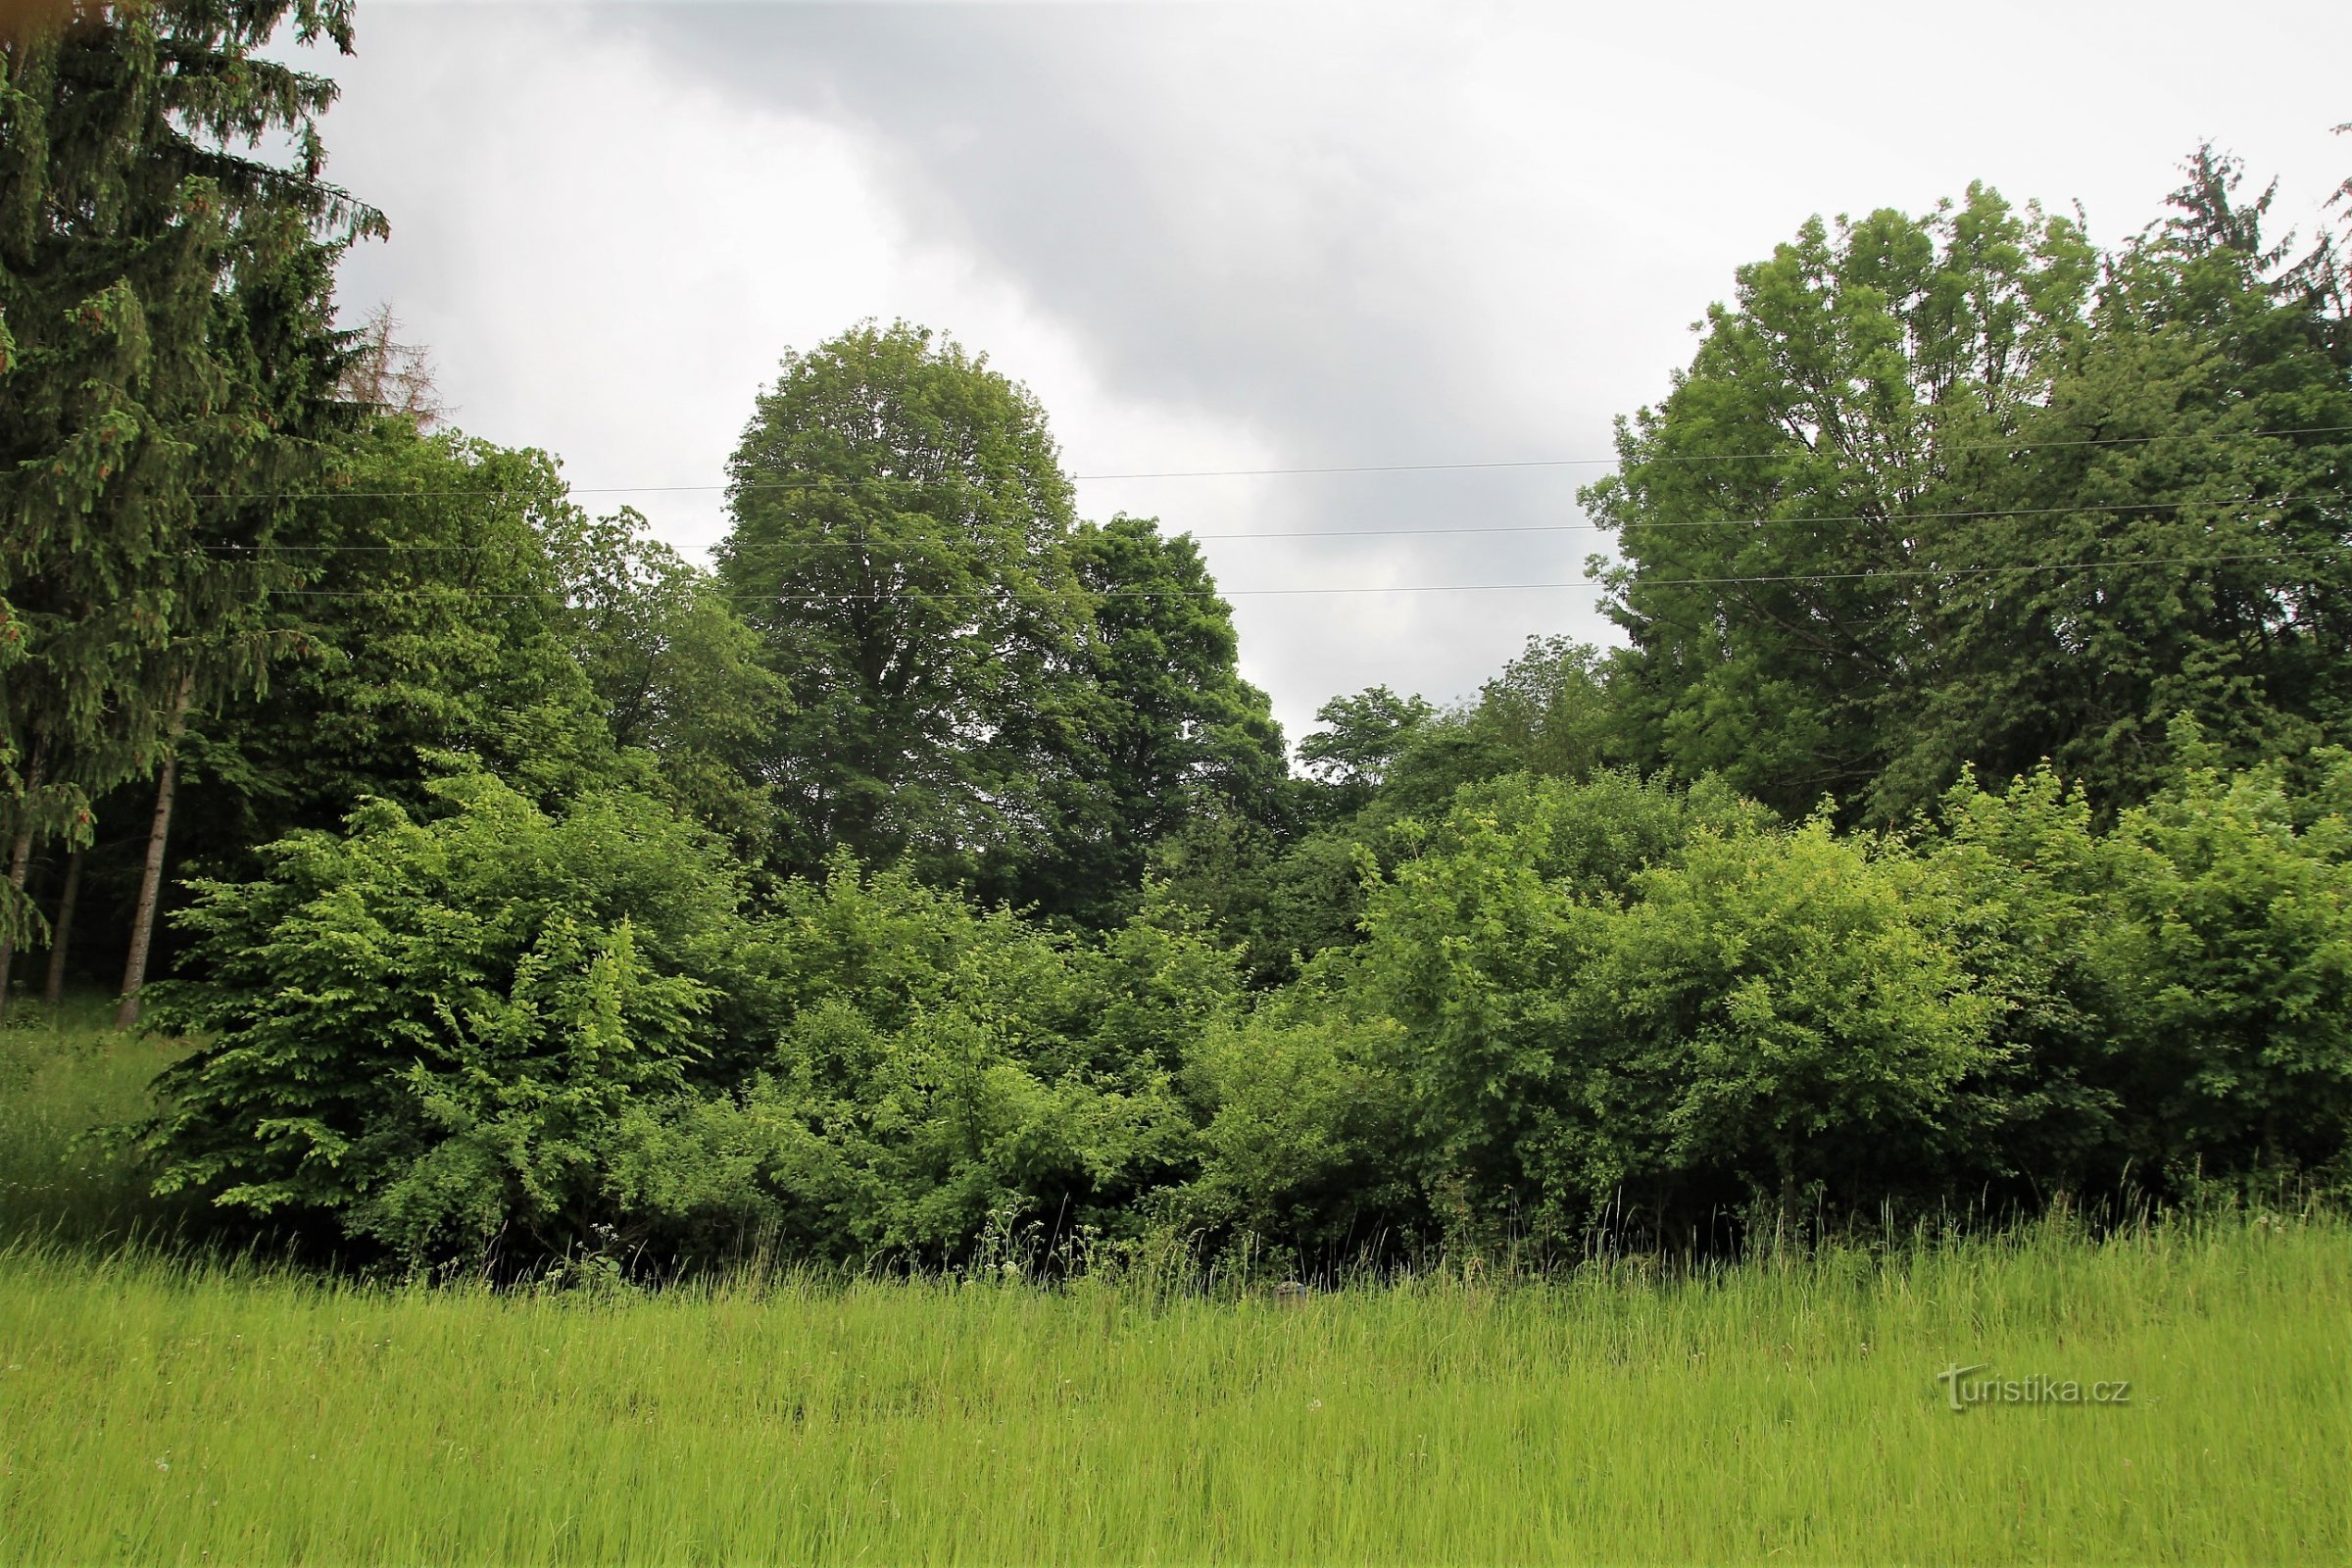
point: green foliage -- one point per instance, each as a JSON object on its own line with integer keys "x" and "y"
{"x": 944, "y": 1072}
{"x": 1361, "y": 740}
{"x": 1548, "y": 714}
{"x": 1788, "y": 1008}
{"x": 1380, "y": 758}
{"x": 430, "y": 1031}
{"x": 2178, "y": 989}
{"x": 1306, "y": 1140}
{"x": 431, "y": 624}
{"x": 900, "y": 542}
{"x": 1611, "y": 985}
{"x": 1850, "y": 377}
{"x": 677, "y": 671}
{"x": 1283, "y": 898}
{"x": 925, "y": 885}
{"x": 2189, "y": 430}
{"x": 1150, "y": 729}
{"x": 985, "y": 687}
{"x": 2231, "y": 968}
{"x": 166, "y": 353}
{"x": 2033, "y": 879}
{"x": 554, "y": 1031}
{"x": 1933, "y": 495}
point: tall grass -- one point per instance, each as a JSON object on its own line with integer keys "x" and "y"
{"x": 186, "y": 1410}
{"x": 163, "y": 1413}
{"x": 70, "y": 1085}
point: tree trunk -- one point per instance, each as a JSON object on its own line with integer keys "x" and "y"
{"x": 62, "y": 931}
{"x": 20, "y": 857}
{"x": 20, "y": 860}
{"x": 1785, "y": 1225}
{"x": 151, "y": 878}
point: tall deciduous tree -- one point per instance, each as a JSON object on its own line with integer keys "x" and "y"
{"x": 1150, "y": 728}
{"x": 2193, "y": 444}
{"x": 900, "y": 544}
{"x": 678, "y": 673}
{"x": 1766, "y": 510}
{"x": 1361, "y": 738}
{"x": 1945, "y": 490}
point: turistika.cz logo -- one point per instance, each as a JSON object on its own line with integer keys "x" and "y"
{"x": 1961, "y": 1391}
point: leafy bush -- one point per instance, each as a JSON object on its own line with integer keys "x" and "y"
{"x": 2178, "y": 989}
{"x": 1306, "y": 1128}
{"x": 1776, "y": 1012}
{"x": 2230, "y": 969}
{"x": 432, "y": 1032}
{"x": 943, "y": 1072}
{"x": 1616, "y": 993}
{"x": 502, "y": 1024}
{"x": 1611, "y": 1002}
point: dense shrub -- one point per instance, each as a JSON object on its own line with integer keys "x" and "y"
{"x": 545, "y": 1033}
{"x": 432, "y": 1032}
{"x": 2177, "y": 990}
{"x": 1614, "y": 993}
{"x": 1306, "y": 1129}
{"x": 942, "y": 1071}
{"x": 1614, "y": 1003}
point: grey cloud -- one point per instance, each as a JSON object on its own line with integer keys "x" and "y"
{"x": 1237, "y": 211}
{"x": 1211, "y": 248}
{"x": 1355, "y": 235}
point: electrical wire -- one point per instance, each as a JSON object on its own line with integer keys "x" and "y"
{"x": 1264, "y": 473}
{"x": 1890, "y": 518}
{"x": 1706, "y": 457}
{"x": 1905, "y": 573}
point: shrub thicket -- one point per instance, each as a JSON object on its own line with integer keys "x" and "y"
{"x": 1612, "y": 1001}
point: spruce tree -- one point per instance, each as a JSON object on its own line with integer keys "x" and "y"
{"x": 167, "y": 369}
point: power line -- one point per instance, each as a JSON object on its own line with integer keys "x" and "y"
{"x": 1653, "y": 582}
{"x": 1266, "y": 473}
{"x": 1707, "y": 457}
{"x": 1890, "y": 518}
{"x": 1905, "y": 573}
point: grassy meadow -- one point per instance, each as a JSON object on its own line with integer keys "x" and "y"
{"x": 161, "y": 1405}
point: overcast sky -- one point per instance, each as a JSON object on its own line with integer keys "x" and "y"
{"x": 1234, "y": 236}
